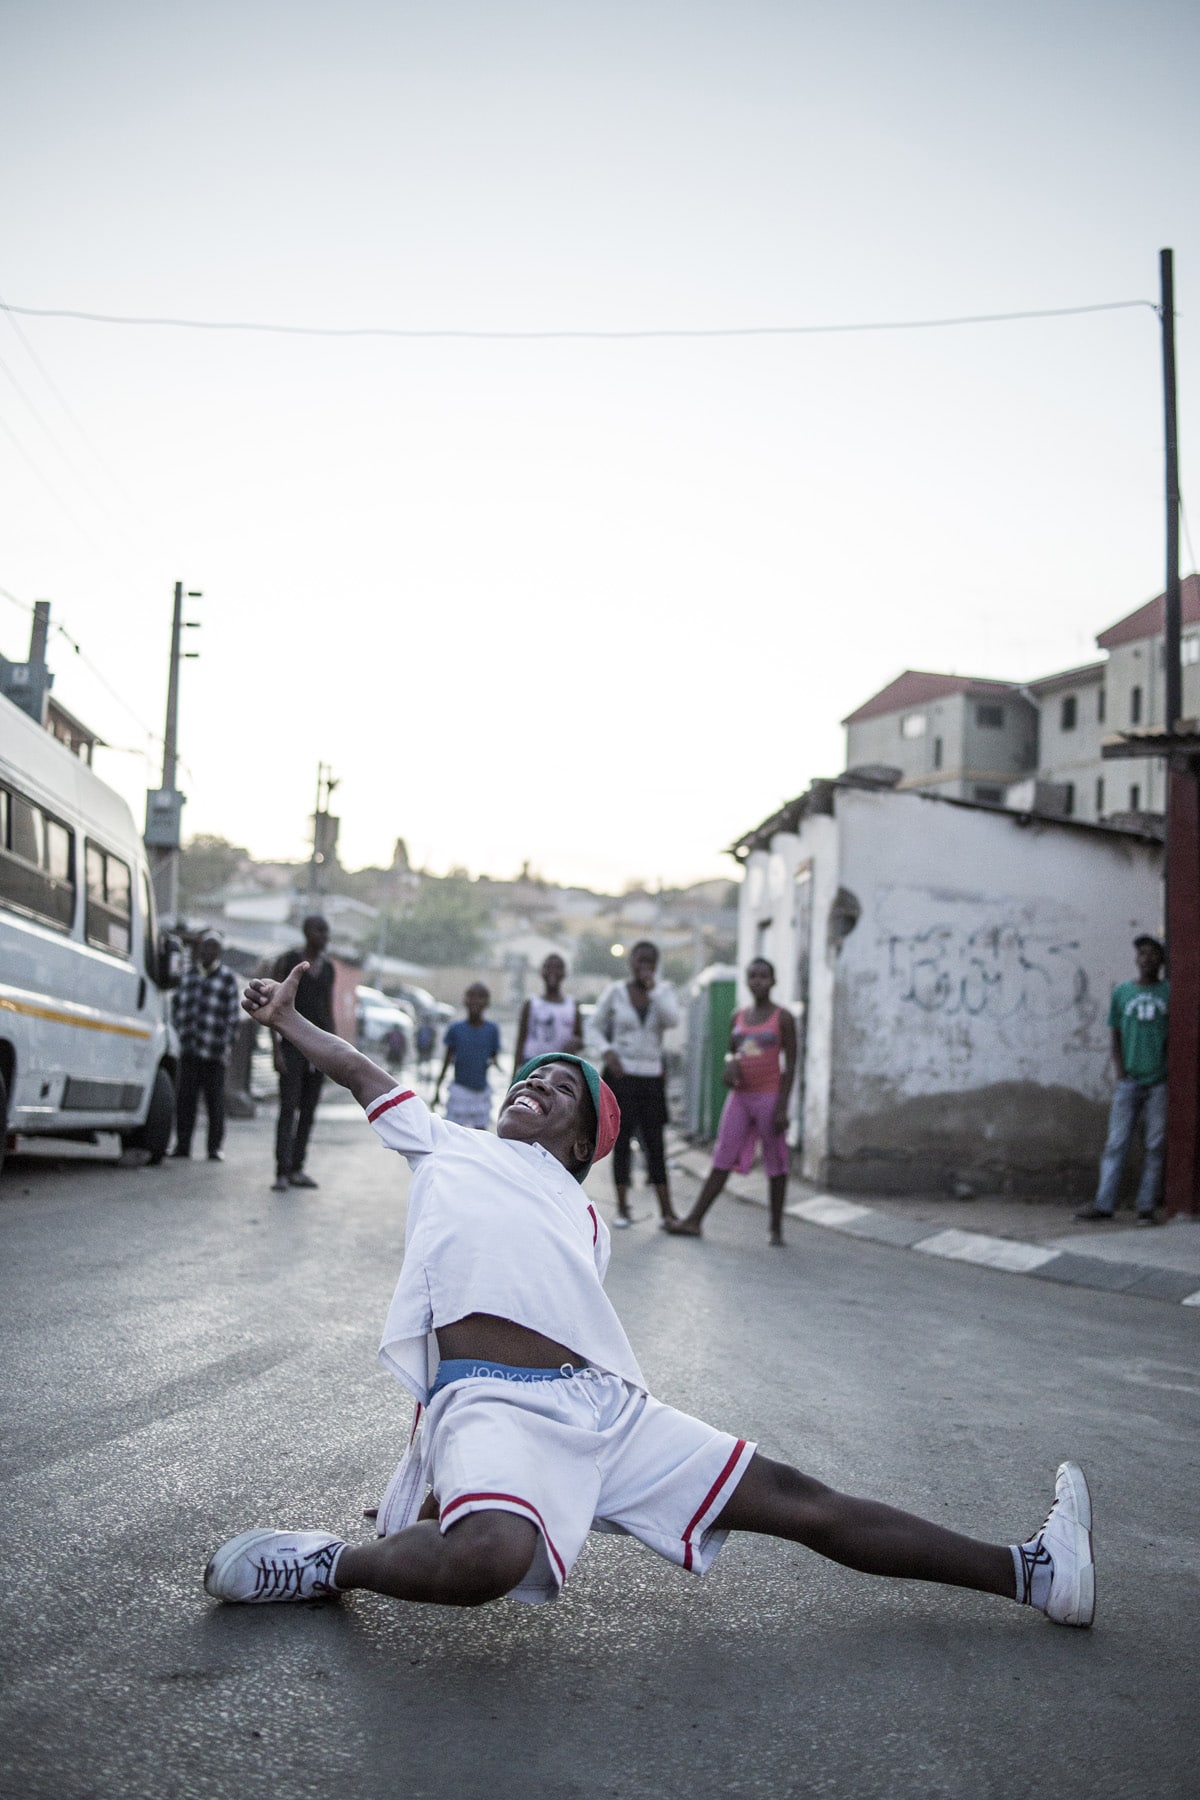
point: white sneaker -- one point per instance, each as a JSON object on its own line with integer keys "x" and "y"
{"x": 257, "y": 1566}
{"x": 1066, "y": 1538}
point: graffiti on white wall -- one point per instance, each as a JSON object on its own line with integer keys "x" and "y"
{"x": 995, "y": 971}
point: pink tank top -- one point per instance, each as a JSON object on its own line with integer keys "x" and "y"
{"x": 757, "y": 1049}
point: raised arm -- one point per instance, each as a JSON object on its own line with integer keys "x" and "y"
{"x": 522, "y": 1029}
{"x": 273, "y": 1003}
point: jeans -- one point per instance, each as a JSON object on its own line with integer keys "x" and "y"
{"x": 1130, "y": 1099}
{"x": 299, "y": 1090}
{"x": 199, "y": 1075}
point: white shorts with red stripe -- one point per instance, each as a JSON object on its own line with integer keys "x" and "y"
{"x": 582, "y": 1452}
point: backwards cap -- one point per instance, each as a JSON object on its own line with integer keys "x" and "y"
{"x": 604, "y": 1101}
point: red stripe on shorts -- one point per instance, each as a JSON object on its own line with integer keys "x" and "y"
{"x": 595, "y": 1224}
{"x": 388, "y": 1105}
{"x": 711, "y": 1495}
{"x": 515, "y": 1500}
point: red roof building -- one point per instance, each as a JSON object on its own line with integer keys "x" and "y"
{"x": 917, "y": 687}
{"x": 1151, "y": 620}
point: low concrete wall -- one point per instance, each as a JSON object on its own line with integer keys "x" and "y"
{"x": 958, "y": 963}
{"x": 970, "y": 1042}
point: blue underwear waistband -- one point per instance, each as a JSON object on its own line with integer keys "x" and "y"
{"x": 463, "y": 1368}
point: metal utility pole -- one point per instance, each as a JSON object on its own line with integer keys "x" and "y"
{"x": 325, "y": 830}
{"x": 164, "y": 805}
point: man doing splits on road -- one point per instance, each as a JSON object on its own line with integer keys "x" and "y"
{"x": 537, "y": 1420}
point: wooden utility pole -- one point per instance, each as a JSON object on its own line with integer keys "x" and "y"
{"x": 1182, "y": 1185}
{"x": 1172, "y": 621}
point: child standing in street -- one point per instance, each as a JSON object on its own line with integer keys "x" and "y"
{"x": 552, "y": 1022}
{"x": 760, "y": 1071}
{"x": 473, "y": 1045}
{"x": 538, "y": 1422}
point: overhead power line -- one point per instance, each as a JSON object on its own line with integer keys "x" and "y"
{"x": 716, "y": 331}
{"x": 98, "y": 675}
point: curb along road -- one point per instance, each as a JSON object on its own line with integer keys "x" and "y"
{"x": 1045, "y": 1262}
{"x": 1172, "y": 1274}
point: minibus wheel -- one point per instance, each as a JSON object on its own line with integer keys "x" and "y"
{"x": 3, "y": 1118}
{"x": 155, "y": 1134}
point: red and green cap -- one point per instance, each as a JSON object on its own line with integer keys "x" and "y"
{"x": 604, "y": 1101}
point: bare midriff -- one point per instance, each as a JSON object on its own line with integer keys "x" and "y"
{"x": 487, "y": 1339}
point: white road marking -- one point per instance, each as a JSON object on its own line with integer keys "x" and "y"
{"x": 824, "y": 1209}
{"x": 990, "y": 1252}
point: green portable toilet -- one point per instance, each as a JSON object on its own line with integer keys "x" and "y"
{"x": 712, "y": 1000}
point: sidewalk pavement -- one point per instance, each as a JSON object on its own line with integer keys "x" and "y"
{"x": 1041, "y": 1238}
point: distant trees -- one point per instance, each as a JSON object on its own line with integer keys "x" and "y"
{"x": 446, "y": 924}
{"x": 206, "y": 864}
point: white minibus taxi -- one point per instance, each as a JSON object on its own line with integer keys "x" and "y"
{"x": 86, "y": 1042}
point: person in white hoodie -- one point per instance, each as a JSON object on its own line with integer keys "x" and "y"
{"x": 538, "y": 1424}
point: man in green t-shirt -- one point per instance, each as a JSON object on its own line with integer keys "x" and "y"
{"x": 1137, "y": 1017}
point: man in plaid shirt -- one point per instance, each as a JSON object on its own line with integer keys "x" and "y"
{"x": 206, "y": 1018}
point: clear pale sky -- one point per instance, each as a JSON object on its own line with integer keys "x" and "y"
{"x": 600, "y": 605}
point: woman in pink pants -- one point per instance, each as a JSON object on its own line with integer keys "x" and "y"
{"x": 759, "y": 1071}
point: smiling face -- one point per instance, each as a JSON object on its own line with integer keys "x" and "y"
{"x": 553, "y": 1108}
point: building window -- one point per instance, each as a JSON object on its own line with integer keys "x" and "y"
{"x": 989, "y": 718}
{"x": 937, "y": 753}
{"x": 912, "y": 725}
{"x": 1100, "y": 706}
{"x": 1099, "y": 796}
{"x": 1068, "y": 799}
{"x": 1135, "y": 706}
{"x": 990, "y": 795}
{"x": 1135, "y": 798}
{"x": 1068, "y": 713}
{"x": 1189, "y": 649}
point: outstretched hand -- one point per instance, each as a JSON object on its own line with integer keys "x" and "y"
{"x": 265, "y": 1000}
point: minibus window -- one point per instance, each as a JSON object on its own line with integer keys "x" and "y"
{"x": 26, "y": 831}
{"x": 95, "y": 876}
{"x": 118, "y": 886}
{"x": 35, "y": 861}
{"x": 58, "y": 851}
{"x": 108, "y": 901}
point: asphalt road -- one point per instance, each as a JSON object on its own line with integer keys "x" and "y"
{"x": 188, "y": 1354}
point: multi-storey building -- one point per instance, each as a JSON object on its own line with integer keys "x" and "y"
{"x": 970, "y": 739}
{"x": 1071, "y": 727}
{"x": 953, "y": 735}
{"x": 1135, "y": 685}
